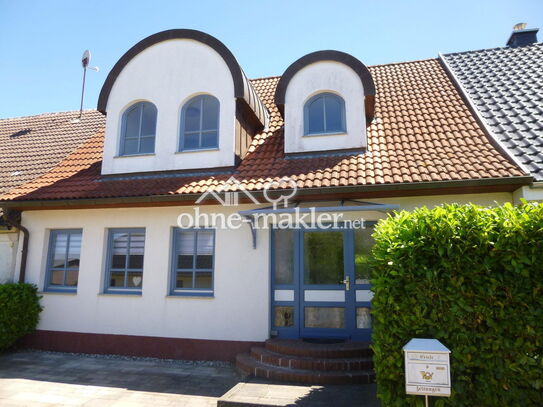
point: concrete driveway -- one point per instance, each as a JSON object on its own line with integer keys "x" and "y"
{"x": 31, "y": 378}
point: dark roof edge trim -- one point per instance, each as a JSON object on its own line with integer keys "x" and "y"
{"x": 438, "y": 186}
{"x": 497, "y": 144}
{"x": 329, "y": 55}
{"x": 174, "y": 34}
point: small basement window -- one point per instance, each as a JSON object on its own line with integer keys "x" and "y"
{"x": 324, "y": 114}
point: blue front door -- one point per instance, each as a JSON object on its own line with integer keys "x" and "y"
{"x": 320, "y": 283}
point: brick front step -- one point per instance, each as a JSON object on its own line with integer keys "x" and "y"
{"x": 296, "y": 347}
{"x": 268, "y": 357}
{"x": 253, "y": 367}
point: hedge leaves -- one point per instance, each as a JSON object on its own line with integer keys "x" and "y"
{"x": 471, "y": 277}
{"x": 19, "y": 312}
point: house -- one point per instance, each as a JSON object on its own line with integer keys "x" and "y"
{"x": 126, "y": 235}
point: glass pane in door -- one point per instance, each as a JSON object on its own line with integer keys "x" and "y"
{"x": 363, "y": 245}
{"x": 323, "y": 258}
{"x": 324, "y": 317}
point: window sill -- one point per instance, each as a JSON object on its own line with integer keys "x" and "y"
{"x": 190, "y": 294}
{"x": 198, "y": 150}
{"x": 55, "y": 292}
{"x": 335, "y": 133}
{"x": 120, "y": 294}
{"x": 135, "y": 155}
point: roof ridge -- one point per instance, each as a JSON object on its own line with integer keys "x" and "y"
{"x": 47, "y": 114}
{"x": 492, "y": 49}
{"x": 404, "y": 62}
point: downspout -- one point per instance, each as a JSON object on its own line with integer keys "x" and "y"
{"x": 13, "y": 218}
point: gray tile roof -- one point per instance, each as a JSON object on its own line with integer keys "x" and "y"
{"x": 506, "y": 86}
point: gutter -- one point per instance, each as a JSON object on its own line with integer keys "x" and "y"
{"x": 181, "y": 199}
{"x": 13, "y": 218}
{"x": 496, "y": 143}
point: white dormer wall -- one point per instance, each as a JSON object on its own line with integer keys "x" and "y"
{"x": 324, "y": 76}
{"x": 168, "y": 74}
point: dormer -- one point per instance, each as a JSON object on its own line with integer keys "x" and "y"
{"x": 327, "y": 100}
{"x": 178, "y": 100}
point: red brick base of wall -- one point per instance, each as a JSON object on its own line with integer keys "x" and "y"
{"x": 130, "y": 345}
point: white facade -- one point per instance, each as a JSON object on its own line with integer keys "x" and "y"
{"x": 8, "y": 250}
{"x": 319, "y": 77}
{"x": 168, "y": 74}
{"x": 532, "y": 192}
{"x": 240, "y": 307}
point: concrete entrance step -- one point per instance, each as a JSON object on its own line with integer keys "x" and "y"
{"x": 268, "y": 394}
{"x": 268, "y": 357}
{"x": 256, "y": 368}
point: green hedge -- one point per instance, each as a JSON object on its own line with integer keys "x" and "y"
{"x": 19, "y": 312}
{"x": 471, "y": 277}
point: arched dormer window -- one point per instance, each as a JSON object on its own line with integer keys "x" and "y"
{"x": 324, "y": 114}
{"x": 138, "y": 129}
{"x": 200, "y": 124}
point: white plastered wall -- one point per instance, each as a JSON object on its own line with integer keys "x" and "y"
{"x": 238, "y": 311}
{"x": 168, "y": 74}
{"x": 8, "y": 252}
{"x": 324, "y": 76}
{"x": 529, "y": 193}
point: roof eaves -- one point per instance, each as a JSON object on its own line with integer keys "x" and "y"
{"x": 440, "y": 187}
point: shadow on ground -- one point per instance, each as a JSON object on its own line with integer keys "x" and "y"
{"x": 157, "y": 376}
{"x": 259, "y": 392}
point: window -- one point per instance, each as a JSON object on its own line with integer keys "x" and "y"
{"x": 324, "y": 114}
{"x": 193, "y": 260}
{"x": 63, "y": 260}
{"x": 139, "y": 129}
{"x": 200, "y": 124}
{"x": 125, "y": 260}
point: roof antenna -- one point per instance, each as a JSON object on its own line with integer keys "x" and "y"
{"x": 85, "y": 61}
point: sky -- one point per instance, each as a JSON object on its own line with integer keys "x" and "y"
{"x": 41, "y": 42}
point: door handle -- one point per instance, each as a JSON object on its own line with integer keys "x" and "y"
{"x": 347, "y": 283}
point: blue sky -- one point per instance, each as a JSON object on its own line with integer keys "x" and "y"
{"x": 41, "y": 42}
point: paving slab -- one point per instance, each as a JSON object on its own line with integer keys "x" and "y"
{"x": 32, "y": 378}
{"x": 260, "y": 393}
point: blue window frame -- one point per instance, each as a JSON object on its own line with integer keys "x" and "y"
{"x": 199, "y": 124}
{"x": 193, "y": 260}
{"x": 63, "y": 260}
{"x": 124, "y": 267}
{"x": 138, "y": 129}
{"x": 324, "y": 114}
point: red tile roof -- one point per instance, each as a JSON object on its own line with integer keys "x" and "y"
{"x": 33, "y": 145}
{"x": 422, "y": 132}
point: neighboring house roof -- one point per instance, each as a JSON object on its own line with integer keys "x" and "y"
{"x": 33, "y": 145}
{"x": 506, "y": 87}
{"x": 422, "y": 133}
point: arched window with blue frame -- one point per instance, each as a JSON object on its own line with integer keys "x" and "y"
{"x": 199, "y": 124}
{"x": 138, "y": 129}
{"x": 324, "y": 114}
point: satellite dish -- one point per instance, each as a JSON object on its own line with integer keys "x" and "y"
{"x": 517, "y": 27}
{"x": 85, "y": 59}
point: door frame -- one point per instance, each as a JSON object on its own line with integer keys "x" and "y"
{"x": 296, "y": 302}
